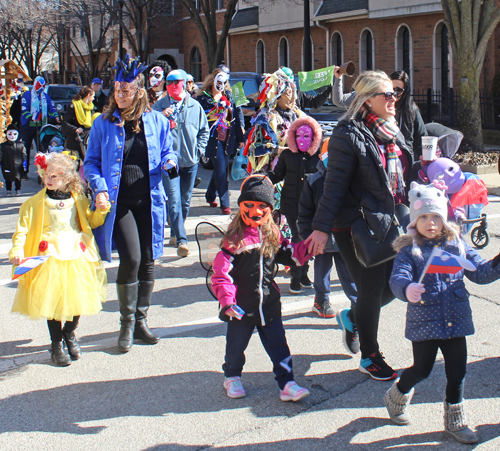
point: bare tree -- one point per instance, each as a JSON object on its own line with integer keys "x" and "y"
{"x": 470, "y": 25}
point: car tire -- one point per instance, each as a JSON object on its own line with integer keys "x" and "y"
{"x": 206, "y": 163}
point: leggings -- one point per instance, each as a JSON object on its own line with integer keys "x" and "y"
{"x": 133, "y": 237}
{"x": 55, "y": 328}
{"x": 424, "y": 355}
{"x": 373, "y": 293}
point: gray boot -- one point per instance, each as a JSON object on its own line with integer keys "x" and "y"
{"x": 455, "y": 423}
{"x": 396, "y": 403}
{"x": 127, "y": 299}
{"x": 142, "y": 331}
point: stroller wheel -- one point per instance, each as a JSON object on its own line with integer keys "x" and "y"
{"x": 479, "y": 237}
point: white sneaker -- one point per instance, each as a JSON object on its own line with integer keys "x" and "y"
{"x": 234, "y": 387}
{"x": 172, "y": 241}
{"x": 182, "y": 250}
{"x": 293, "y": 392}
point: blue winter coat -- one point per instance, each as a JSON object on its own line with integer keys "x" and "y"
{"x": 26, "y": 117}
{"x": 190, "y": 137}
{"x": 444, "y": 311}
{"x": 103, "y": 167}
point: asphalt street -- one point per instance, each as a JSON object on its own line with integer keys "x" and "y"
{"x": 170, "y": 396}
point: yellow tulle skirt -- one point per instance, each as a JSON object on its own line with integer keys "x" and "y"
{"x": 62, "y": 289}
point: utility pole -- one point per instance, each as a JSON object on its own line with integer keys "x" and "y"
{"x": 307, "y": 38}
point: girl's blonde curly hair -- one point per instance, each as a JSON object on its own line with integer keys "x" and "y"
{"x": 64, "y": 166}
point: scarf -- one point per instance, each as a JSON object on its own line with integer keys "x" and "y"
{"x": 83, "y": 113}
{"x": 38, "y": 107}
{"x": 386, "y": 132}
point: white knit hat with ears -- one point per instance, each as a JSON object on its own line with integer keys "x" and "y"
{"x": 425, "y": 200}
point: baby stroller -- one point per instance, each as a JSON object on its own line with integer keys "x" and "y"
{"x": 49, "y": 133}
{"x": 473, "y": 196}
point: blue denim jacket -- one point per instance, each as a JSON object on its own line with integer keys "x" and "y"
{"x": 103, "y": 168}
{"x": 444, "y": 311}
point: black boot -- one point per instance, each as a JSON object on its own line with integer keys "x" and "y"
{"x": 127, "y": 299}
{"x": 68, "y": 332}
{"x": 59, "y": 355}
{"x": 142, "y": 331}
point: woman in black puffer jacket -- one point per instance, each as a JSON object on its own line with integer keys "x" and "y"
{"x": 368, "y": 163}
{"x": 294, "y": 166}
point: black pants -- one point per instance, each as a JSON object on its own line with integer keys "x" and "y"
{"x": 296, "y": 271}
{"x": 55, "y": 328}
{"x": 133, "y": 236}
{"x": 8, "y": 184}
{"x": 28, "y": 134}
{"x": 424, "y": 355}
{"x": 373, "y": 293}
{"x": 273, "y": 339}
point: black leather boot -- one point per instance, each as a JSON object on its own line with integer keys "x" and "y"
{"x": 127, "y": 299}
{"x": 68, "y": 332}
{"x": 142, "y": 331}
{"x": 59, "y": 355}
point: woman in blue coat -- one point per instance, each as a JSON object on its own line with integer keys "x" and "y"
{"x": 129, "y": 146}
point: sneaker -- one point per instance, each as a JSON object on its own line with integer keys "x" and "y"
{"x": 295, "y": 286}
{"x": 197, "y": 181}
{"x": 349, "y": 332}
{"x": 375, "y": 366}
{"x": 305, "y": 282}
{"x": 226, "y": 211}
{"x": 293, "y": 392}
{"x": 234, "y": 387}
{"x": 172, "y": 241}
{"x": 213, "y": 204}
{"x": 182, "y": 250}
{"x": 9, "y": 193}
{"x": 323, "y": 310}
{"x": 18, "y": 192}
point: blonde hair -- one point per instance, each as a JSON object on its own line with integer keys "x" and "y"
{"x": 65, "y": 167}
{"x": 134, "y": 112}
{"x": 233, "y": 238}
{"x": 209, "y": 82}
{"x": 366, "y": 85}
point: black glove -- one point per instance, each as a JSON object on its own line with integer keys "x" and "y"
{"x": 495, "y": 261}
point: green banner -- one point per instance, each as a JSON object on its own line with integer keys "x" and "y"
{"x": 239, "y": 94}
{"x": 316, "y": 78}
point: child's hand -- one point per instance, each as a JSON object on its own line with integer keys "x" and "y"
{"x": 414, "y": 292}
{"x": 101, "y": 200}
{"x": 230, "y": 312}
{"x": 16, "y": 261}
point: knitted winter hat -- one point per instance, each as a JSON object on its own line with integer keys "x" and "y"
{"x": 425, "y": 200}
{"x": 257, "y": 188}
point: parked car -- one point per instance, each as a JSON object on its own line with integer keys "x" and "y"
{"x": 62, "y": 95}
{"x": 251, "y": 85}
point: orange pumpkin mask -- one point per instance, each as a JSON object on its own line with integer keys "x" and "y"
{"x": 254, "y": 213}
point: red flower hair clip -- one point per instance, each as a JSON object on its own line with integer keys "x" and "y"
{"x": 41, "y": 161}
{"x": 43, "y": 246}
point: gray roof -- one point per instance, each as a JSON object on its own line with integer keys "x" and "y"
{"x": 246, "y": 17}
{"x": 341, "y": 6}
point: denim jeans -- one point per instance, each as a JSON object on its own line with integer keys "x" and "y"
{"x": 322, "y": 269}
{"x": 273, "y": 339}
{"x": 179, "y": 191}
{"x": 218, "y": 183}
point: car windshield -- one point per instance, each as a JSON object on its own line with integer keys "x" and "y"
{"x": 250, "y": 86}
{"x": 63, "y": 93}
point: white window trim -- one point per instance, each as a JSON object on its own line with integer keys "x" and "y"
{"x": 287, "y": 50}
{"x": 436, "y": 59}
{"x": 362, "y": 62}
{"x": 399, "y": 61}
{"x": 257, "y": 55}
{"x": 341, "y": 48}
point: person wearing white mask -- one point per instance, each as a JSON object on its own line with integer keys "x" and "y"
{"x": 157, "y": 74}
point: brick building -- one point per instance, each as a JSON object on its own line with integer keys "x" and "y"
{"x": 378, "y": 34}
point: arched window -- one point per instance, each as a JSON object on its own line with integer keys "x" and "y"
{"x": 336, "y": 50}
{"x": 261, "y": 57}
{"x": 443, "y": 58}
{"x": 195, "y": 61}
{"x": 283, "y": 52}
{"x": 312, "y": 54}
{"x": 367, "y": 51}
{"x": 404, "y": 47}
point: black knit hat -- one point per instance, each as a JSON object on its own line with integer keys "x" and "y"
{"x": 257, "y": 188}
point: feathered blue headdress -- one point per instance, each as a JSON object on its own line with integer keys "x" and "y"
{"x": 129, "y": 69}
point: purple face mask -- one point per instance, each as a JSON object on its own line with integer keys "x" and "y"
{"x": 304, "y": 137}
{"x": 449, "y": 172}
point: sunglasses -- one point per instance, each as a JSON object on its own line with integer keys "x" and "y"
{"x": 399, "y": 91}
{"x": 175, "y": 82}
{"x": 388, "y": 95}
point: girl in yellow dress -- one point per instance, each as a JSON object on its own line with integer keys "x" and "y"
{"x": 58, "y": 222}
